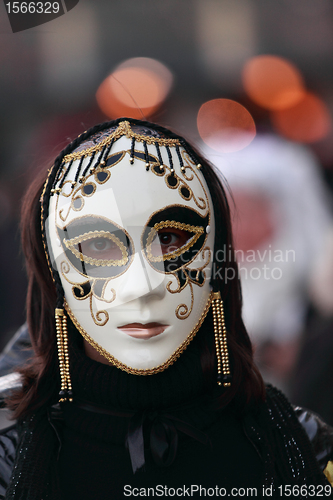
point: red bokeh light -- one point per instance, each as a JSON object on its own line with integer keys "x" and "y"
{"x": 272, "y": 82}
{"x": 136, "y": 88}
{"x": 225, "y": 125}
{"x": 308, "y": 121}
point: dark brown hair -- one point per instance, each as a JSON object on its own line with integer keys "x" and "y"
{"x": 41, "y": 378}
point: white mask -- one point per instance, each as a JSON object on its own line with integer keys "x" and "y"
{"x": 133, "y": 247}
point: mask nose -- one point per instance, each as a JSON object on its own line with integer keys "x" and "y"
{"x": 140, "y": 280}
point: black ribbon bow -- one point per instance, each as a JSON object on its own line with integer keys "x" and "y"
{"x": 163, "y": 437}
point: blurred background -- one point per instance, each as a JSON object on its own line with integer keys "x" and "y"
{"x": 251, "y": 84}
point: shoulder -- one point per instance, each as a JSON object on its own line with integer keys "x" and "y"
{"x": 8, "y": 445}
{"x": 304, "y": 424}
{"x": 319, "y": 433}
{"x": 15, "y": 354}
{"x": 8, "y": 431}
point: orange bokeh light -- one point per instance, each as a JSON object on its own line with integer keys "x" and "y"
{"x": 272, "y": 82}
{"x": 307, "y": 121}
{"x": 136, "y": 88}
{"x": 225, "y": 125}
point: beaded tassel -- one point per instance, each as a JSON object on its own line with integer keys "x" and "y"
{"x": 65, "y": 393}
{"x": 221, "y": 346}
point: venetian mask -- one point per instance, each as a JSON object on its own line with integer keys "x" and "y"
{"x": 131, "y": 233}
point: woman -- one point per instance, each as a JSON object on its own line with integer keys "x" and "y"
{"x": 145, "y": 378}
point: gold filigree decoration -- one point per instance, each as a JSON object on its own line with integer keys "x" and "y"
{"x": 182, "y": 310}
{"x": 136, "y": 371}
{"x": 124, "y": 129}
{"x": 186, "y": 157}
{"x": 78, "y": 193}
{"x": 180, "y": 183}
{"x": 184, "y": 190}
{"x": 42, "y": 222}
{"x": 86, "y": 184}
{"x": 197, "y": 230}
{"x": 98, "y": 317}
{"x": 76, "y": 208}
{"x": 70, "y": 244}
{"x": 193, "y": 169}
{"x": 174, "y": 176}
{"x": 104, "y": 171}
{"x": 63, "y": 192}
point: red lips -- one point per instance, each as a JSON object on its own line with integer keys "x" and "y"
{"x": 140, "y": 331}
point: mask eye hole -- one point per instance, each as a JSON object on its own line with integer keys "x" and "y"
{"x": 96, "y": 247}
{"x": 173, "y": 237}
{"x": 170, "y": 239}
{"x": 99, "y": 248}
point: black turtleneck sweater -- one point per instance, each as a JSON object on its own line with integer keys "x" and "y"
{"x": 95, "y": 461}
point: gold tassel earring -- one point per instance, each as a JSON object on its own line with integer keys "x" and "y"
{"x": 65, "y": 393}
{"x": 221, "y": 346}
